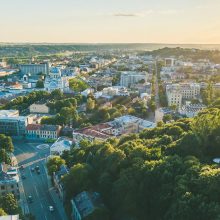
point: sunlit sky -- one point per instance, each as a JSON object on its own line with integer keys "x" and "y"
{"x": 110, "y": 21}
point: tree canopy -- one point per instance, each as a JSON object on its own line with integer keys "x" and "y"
{"x": 162, "y": 173}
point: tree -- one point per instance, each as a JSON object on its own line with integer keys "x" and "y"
{"x": 6, "y": 143}
{"x": 40, "y": 84}
{"x": 167, "y": 118}
{"x": 90, "y": 104}
{"x": 56, "y": 94}
{"x": 9, "y": 204}
{"x": 78, "y": 179}
{"x": 2, "y": 212}
{"x": 54, "y": 164}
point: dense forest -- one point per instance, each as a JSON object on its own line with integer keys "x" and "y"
{"x": 162, "y": 173}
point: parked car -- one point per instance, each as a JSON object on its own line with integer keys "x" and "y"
{"x": 38, "y": 172}
{"x": 32, "y": 169}
{"x": 37, "y": 168}
{"x": 30, "y": 199}
{"x": 23, "y": 176}
{"x": 51, "y": 208}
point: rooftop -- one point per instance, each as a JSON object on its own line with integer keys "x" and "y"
{"x": 35, "y": 127}
{"x": 6, "y": 178}
{"x": 9, "y": 113}
{"x": 87, "y": 202}
{"x": 92, "y": 132}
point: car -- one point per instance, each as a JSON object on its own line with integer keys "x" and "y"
{"x": 23, "y": 176}
{"x": 32, "y": 169}
{"x": 21, "y": 167}
{"x": 30, "y": 199}
{"x": 38, "y": 172}
{"x": 37, "y": 168}
{"x": 51, "y": 208}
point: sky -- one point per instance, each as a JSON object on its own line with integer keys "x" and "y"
{"x": 110, "y": 21}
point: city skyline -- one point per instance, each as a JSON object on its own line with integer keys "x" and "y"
{"x": 123, "y": 21}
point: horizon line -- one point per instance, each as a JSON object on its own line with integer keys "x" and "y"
{"x": 99, "y": 43}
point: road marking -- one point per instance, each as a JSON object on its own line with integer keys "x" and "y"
{"x": 36, "y": 190}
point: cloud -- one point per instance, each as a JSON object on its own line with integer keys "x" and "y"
{"x": 147, "y": 12}
{"x": 169, "y": 12}
{"x": 125, "y": 14}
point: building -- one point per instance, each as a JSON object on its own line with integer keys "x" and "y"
{"x": 8, "y": 184}
{"x": 123, "y": 125}
{"x": 130, "y": 124}
{"x": 34, "y": 69}
{"x": 169, "y": 62}
{"x": 39, "y": 107}
{"x": 176, "y": 93}
{"x": 55, "y": 80}
{"x": 58, "y": 184}
{"x": 84, "y": 204}
{"x": 12, "y": 124}
{"x": 191, "y": 110}
{"x": 91, "y": 134}
{"x": 9, "y": 113}
{"x": 42, "y": 132}
{"x": 174, "y": 97}
{"x": 109, "y": 92}
{"x": 62, "y": 144}
{"x": 130, "y": 78}
{"x": 9, "y": 217}
{"x": 3, "y": 63}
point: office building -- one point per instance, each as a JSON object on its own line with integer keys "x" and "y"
{"x": 130, "y": 78}
{"x": 12, "y": 124}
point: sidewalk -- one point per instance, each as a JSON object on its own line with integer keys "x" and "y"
{"x": 56, "y": 199}
{"x": 22, "y": 201}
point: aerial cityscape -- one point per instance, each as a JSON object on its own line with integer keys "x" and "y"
{"x": 110, "y": 110}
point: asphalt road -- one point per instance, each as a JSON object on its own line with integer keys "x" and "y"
{"x": 35, "y": 185}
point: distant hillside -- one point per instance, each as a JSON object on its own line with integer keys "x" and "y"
{"x": 23, "y": 50}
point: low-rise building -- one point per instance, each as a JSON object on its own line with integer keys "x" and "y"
{"x": 9, "y": 217}
{"x": 84, "y": 204}
{"x": 130, "y": 124}
{"x": 58, "y": 183}
{"x": 191, "y": 110}
{"x": 62, "y": 144}
{"x": 123, "y": 125}
{"x": 109, "y": 92}
{"x": 39, "y": 107}
{"x": 89, "y": 133}
{"x": 8, "y": 184}
{"x": 42, "y": 132}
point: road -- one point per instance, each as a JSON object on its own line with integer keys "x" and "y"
{"x": 158, "y": 113}
{"x": 35, "y": 185}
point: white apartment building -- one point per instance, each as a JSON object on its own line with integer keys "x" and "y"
{"x": 130, "y": 78}
{"x": 177, "y": 92}
{"x": 174, "y": 97}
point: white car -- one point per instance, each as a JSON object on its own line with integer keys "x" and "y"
{"x": 51, "y": 208}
